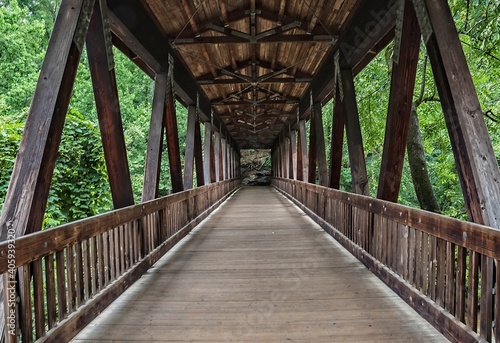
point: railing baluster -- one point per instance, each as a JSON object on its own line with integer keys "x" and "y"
{"x": 441, "y": 272}
{"x": 460, "y": 284}
{"x": 86, "y": 270}
{"x": 39, "y": 297}
{"x": 497, "y": 301}
{"x": 473, "y": 290}
{"x": 62, "y": 306}
{"x": 70, "y": 270}
{"x": 50, "y": 289}
{"x": 94, "y": 266}
{"x": 425, "y": 263}
{"x": 450, "y": 278}
{"x": 486, "y": 306}
{"x": 25, "y": 308}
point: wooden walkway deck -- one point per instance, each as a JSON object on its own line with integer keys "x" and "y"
{"x": 259, "y": 270}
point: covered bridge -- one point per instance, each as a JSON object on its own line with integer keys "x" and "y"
{"x": 255, "y": 73}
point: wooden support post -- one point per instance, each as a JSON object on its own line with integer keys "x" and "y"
{"x": 286, "y": 157}
{"x": 312, "y": 150}
{"x": 213, "y": 174}
{"x": 208, "y": 148}
{"x": 155, "y": 140}
{"x": 320, "y": 145}
{"x": 224, "y": 159}
{"x": 27, "y": 194}
{"x": 303, "y": 149}
{"x": 279, "y": 157}
{"x": 189, "y": 153}
{"x": 337, "y": 144}
{"x": 229, "y": 160}
{"x": 293, "y": 144}
{"x": 217, "y": 156}
{"x": 198, "y": 155}
{"x": 354, "y": 138}
{"x": 174, "y": 153}
{"x": 102, "y": 71}
{"x": 221, "y": 158}
{"x": 404, "y": 73}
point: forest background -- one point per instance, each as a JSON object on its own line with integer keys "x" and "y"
{"x": 80, "y": 187}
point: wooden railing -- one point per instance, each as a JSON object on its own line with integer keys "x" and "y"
{"x": 443, "y": 267}
{"x": 56, "y": 281}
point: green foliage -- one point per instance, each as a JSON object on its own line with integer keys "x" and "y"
{"x": 79, "y": 187}
{"x": 22, "y": 47}
{"x": 10, "y": 135}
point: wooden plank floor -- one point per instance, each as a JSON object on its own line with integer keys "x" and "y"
{"x": 258, "y": 270}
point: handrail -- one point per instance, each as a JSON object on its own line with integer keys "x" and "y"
{"x": 443, "y": 267}
{"x": 57, "y": 280}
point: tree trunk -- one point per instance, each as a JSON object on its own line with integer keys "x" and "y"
{"x": 418, "y": 166}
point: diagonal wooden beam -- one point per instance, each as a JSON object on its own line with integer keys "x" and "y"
{"x": 189, "y": 151}
{"x": 26, "y": 199}
{"x": 320, "y": 144}
{"x": 354, "y": 138}
{"x": 27, "y": 194}
{"x": 198, "y": 156}
{"x": 155, "y": 140}
{"x": 337, "y": 141}
{"x": 174, "y": 154}
{"x": 404, "y": 73}
{"x": 102, "y": 71}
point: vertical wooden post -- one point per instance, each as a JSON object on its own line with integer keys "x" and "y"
{"x": 207, "y": 148}
{"x": 278, "y": 156}
{"x": 354, "y": 138}
{"x": 213, "y": 175}
{"x": 286, "y": 156}
{"x": 320, "y": 145}
{"x": 404, "y": 73}
{"x": 337, "y": 144}
{"x": 300, "y": 168}
{"x": 100, "y": 54}
{"x": 198, "y": 155}
{"x": 293, "y": 144}
{"x": 303, "y": 149}
{"x": 190, "y": 146}
{"x": 155, "y": 140}
{"x": 312, "y": 149}
{"x": 217, "y": 155}
{"x": 174, "y": 153}
{"x": 224, "y": 160}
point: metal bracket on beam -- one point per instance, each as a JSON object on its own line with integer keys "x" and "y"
{"x": 399, "y": 31}
{"x": 107, "y": 35}
{"x": 83, "y": 23}
{"x": 423, "y": 19}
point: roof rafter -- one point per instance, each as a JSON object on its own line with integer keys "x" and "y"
{"x": 230, "y": 71}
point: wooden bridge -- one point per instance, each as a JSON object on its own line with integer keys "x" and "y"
{"x": 256, "y": 75}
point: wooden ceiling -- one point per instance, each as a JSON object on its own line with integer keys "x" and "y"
{"x": 252, "y": 62}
